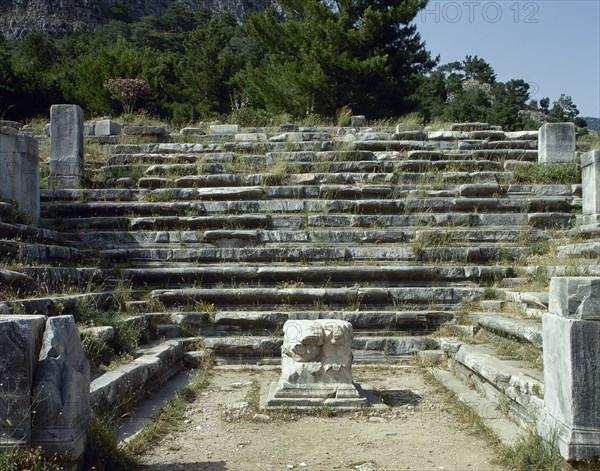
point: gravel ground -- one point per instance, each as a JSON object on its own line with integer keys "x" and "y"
{"x": 222, "y": 432}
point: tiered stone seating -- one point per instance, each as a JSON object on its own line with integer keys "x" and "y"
{"x": 392, "y": 230}
{"x": 420, "y": 239}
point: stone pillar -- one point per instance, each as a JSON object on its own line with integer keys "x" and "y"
{"x": 61, "y": 392}
{"x": 556, "y": 143}
{"x": 66, "y": 147}
{"x": 19, "y": 171}
{"x": 316, "y": 359}
{"x": 21, "y": 339}
{"x": 571, "y": 336}
{"x": 590, "y": 182}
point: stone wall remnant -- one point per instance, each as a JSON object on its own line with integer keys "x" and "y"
{"x": 19, "y": 171}
{"x": 66, "y": 147}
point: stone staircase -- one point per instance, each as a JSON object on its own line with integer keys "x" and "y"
{"x": 420, "y": 240}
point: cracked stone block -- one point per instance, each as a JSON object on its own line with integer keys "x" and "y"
{"x": 316, "y": 366}
{"x": 61, "y": 391}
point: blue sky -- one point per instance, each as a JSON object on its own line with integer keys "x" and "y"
{"x": 552, "y": 44}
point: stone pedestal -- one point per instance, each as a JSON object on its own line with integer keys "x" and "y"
{"x": 571, "y": 335}
{"x": 66, "y": 147}
{"x": 316, "y": 367}
{"x": 19, "y": 171}
{"x": 556, "y": 143}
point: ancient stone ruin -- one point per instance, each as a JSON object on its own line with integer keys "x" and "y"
{"x": 316, "y": 367}
{"x": 308, "y": 247}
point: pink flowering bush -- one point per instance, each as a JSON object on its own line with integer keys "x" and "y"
{"x": 127, "y": 90}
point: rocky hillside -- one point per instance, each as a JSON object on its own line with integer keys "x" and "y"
{"x": 18, "y": 17}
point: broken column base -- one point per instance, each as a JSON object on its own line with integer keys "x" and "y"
{"x": 313, "y": 396}
{"x": 573, "y": 444}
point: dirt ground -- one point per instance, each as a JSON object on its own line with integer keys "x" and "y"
{"x": 415, "y": 432}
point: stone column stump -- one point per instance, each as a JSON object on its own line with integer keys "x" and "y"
{"x": 316, "y": 367}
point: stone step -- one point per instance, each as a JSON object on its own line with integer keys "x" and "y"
{"x": 532, "y": 305}
{"x": 59, "y": 304}
{"x": 283, "y": 200}
{"x": 241, "y": 237}
{"x": 153, "y": 367}
{"x": 305, "y": 253}
{"x": 382, "y": 321}
{"x": 514, "y": 328}
{"x": 506, "y": 430}
{"x": 252, "y": 349}
{"x": 350, "y": 298}
{"x": 24, "y": 232}
{"x": 498, "y": 379}
{"x": 408, "y": 275}
{"x": 312, "y": 222}
{"x": 38, "y": 253}
{"x": 301, "y": 167}
{"x": 242, "y": 187}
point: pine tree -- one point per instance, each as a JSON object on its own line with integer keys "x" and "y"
{"x": 322, "y": 55}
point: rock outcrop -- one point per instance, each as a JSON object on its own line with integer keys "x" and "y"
{"x": 19, "y": 17}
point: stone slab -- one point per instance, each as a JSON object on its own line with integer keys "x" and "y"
{"x": 556, "y": 143}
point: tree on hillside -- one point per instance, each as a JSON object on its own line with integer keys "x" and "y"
{"x": 323, "y": 55}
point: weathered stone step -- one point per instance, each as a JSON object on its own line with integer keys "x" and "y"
{"x": 38, "y": 253}
{"x": 346, "y": 297}
{"x": 153, "y": 367}
{"x": 252, "y": 349}
{"x": 402, "y": 320}
{"x": 470, "y": 254}
{"x": 233, "y": 186}
{"x": 242, "y": 237}
{"x": 506, "y": 430}
{"x": 59, "y": 304}
{"x": 316, "y": 221}
{"x": 289, "y": 176}
{"x": 125, "y": 159}
{"x": 284, "y": 200}
{"x": 522, "y": 330}
{"x": 282, "y": 253}
{"x": 498, "y": 378}
{"x": 25, "y": 232}
{"x": 408, "y": 275}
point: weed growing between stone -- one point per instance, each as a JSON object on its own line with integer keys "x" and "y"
{"x": 102, "y": 449}
{"x": 100, "y": 353}
{"x": 24, "y": 459}
{"x": 172, "y": 415}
